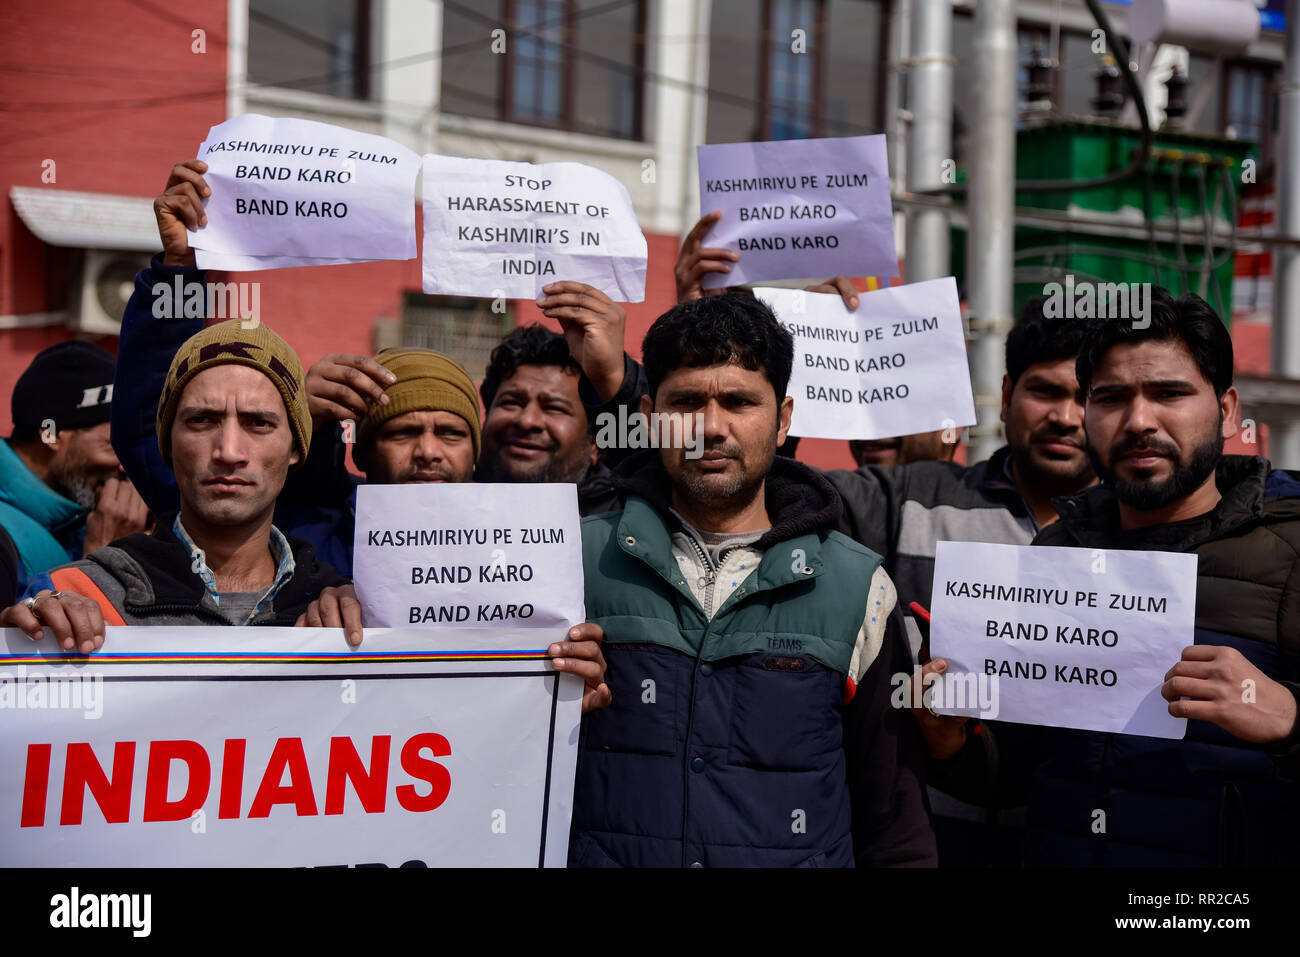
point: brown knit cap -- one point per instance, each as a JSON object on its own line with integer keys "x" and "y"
{"x": 427, "y": 381}
{"x": 229, "y": 342}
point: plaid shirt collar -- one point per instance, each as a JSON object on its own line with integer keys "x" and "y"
{"x": 279, "y": 548}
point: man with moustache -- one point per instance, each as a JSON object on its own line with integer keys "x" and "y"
{"x": 538, "y": 427}
{"x": 1160, "y": 403}
{"x": 750, "y": 645}
{"x": 63, "y": 493}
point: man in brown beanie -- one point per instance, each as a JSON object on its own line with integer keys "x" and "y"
{"x": 232, "y": 420}
{"x": 426, "y": 429}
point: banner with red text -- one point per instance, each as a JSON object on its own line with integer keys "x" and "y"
{"x": 222, "y": 747}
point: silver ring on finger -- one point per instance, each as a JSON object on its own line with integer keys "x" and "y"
{"x": 56, "y": 594}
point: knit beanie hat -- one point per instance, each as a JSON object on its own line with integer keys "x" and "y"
{"x": 70, "y": 384}
{"x": 427, "y": 381}
{"x": 229, "y": 342}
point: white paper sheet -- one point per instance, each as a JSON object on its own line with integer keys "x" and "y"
{"x": 499, "y": 229}
{"x": 469, "y": 555}
{"x": 799, "y": 209}
{"x": 1070, "y": 637}
{"x": 292, "y": 192}
{"x": 896, "y": 365}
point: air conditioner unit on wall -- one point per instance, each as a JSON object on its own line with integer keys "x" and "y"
{"x": 106, "y": 283}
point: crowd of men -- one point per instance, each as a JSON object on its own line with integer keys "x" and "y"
{"x": 747, "y": 612}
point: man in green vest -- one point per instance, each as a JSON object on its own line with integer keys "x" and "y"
{"x": 750, "y": 647}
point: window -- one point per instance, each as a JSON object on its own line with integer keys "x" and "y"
{"x": 768, "y": 82}
{"x": 322, "y": 46}
{"x": 467, "y": 330}
{"x": 540, "y": 87}
{"x": 570, "y": 64}
{"x": 792, "y": 94}
{"x": 1250, "y": 107}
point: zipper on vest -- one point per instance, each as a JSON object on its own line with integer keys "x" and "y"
{"x": 710, "y": 576}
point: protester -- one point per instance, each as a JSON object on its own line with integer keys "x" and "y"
{"x": 901, "y": 513}
{"x": 1160, "y": 403}
{"x": 741, "y": 624}
{"x": 64, "y": 494}
{"x": 232, "y": 420}
{"x": 537, "y": 428}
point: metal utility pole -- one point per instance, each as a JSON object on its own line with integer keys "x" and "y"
{"x": 1285, "y": 436}
{"x": 929, "y": 93}
{"x": 991, "y": 203}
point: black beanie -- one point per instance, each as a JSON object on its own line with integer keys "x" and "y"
{"x": 70, "y": 383}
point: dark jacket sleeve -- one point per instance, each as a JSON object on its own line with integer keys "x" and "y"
{"x": 144, "y": 353}
{"x": 1286, "y": 753}
{"x": 628, "y": 397}
{"x": 323, "y": 480}
{"x": 885, "y": 758}
{"x": 873, "y": 507}
{"x": 994, "y": 769}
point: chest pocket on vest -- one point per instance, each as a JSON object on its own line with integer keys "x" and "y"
{"x": 786, "y": 713}
{"x": 641, "y": 717}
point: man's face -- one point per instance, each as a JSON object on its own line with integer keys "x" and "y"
{"x": 1043, "y": 413}
{"x": 83, "y": 461}
{"x": 1155, "y": 427}
{"x": 536, "y": 429}
{"x": 231, "y": 445}
{"x": 902, "y": 449}
{"x": 742, "y": 428}
{"x": 419, "y": 447}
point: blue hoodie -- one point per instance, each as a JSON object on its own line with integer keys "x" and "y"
{"x": 47, "y": 529}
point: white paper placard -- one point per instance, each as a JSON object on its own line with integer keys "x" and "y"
{"x": 291, "y": 192}
{"x": 499, "y": 229}
{"x": 799, "y": 209}
{"x": 469, "y": 555}
{"x": 1065, "y": 637}
{"x": 896, "y": 365}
